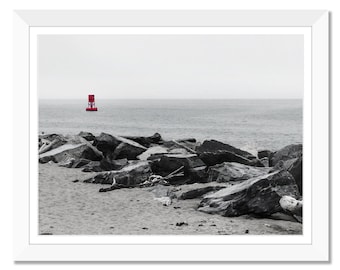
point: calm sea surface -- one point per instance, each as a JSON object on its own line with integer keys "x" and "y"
{"x": 248, "y": 124}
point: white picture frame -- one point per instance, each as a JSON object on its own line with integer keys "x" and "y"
{"x": 315, "y": 248}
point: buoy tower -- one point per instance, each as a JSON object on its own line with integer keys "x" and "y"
{"x": 91, "y": 104}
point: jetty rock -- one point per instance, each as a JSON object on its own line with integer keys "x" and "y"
{"x": 130, "y": 176}
{"x": 288, "y": 152}
{"x": 232, "y": 171}
{"x": 87, "y": 135}
{"x": 194, "y": 169}
{"x": 146, "y": 141}
{"x": 295, "y": 167}
{"x": 260, "y": 196}
{"x": 128, "y": 149}
{"x": 289, "y": 158}
{"x": 220, "y": 156}
{"x": 106, "y": 143}
{"x": 50, "y": 142}
{"x": 115, "y": 147}
{"x": 76, "y": 148}
{"x": 215, "y": 146}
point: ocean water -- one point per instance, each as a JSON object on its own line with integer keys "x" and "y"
{"x": 247, "y": 124}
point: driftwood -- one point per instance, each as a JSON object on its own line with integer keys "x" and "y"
{"x": 157, "y": 179}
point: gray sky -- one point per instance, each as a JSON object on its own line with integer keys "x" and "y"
{"x": 170, "y": 66}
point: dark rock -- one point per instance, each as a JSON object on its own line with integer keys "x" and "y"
{"x": 75, "y": 181}
{"x": 217, "y": 157}
{"x": 193, "y": 167}
{"x": 260, "y": 196}
{"x": 264, "y": 154}
{"x": 198, "y": 175}
{"x": 87, "y": 136}
{"x": 181, "y": 224}
{"x": 155, "y": 138}
{"x": 146, "y": 141}
{"x": 288, "y": 152}
{"x": 191, "y": 140}
{"x": 106, "y": 143}
{"x": 214, "y": 146}
{"x": 130, "y": 176}
{"x": 294, "y": 166}
{"x": 114, "y": 147}
{"x": 232, "y": 171}
{"x": 129, "y": 150}
{"x": 296, "y": 170}
{"x": 199, "y": 192}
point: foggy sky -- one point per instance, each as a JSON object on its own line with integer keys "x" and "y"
{"x": 170, "y": 66}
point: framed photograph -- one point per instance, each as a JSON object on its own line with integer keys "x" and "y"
{"x": 171, "y": 135}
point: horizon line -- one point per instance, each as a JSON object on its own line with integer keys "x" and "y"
{"x": 169, "y": 98}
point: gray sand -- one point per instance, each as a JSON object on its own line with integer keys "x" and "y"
{"x": 67, "y": 208}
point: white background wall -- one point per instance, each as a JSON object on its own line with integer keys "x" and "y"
{"x": 6, "y": 154}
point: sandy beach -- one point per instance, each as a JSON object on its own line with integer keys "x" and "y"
{"x": 77, "y": 208}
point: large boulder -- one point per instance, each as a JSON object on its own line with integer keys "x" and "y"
{"x": 294, "y": 166}
{"x": 232, "y": 171}
{"x": 288, "y": 152}
{"x": 217, "y": 157}
{"x": 214, "y": 146}
{"x": 130, "y": 176}
{"x": 128, "y": 149}
{"x": 106, "y": 143}
{"x": 115, "y": 147}
{"x": 67, "y": 151}
{"x": 193, "y": 167}
{"x": 47, "y": 145}
{"x": 296, "y": 170}
{"x": 260, "y": 196}
{"x": 146, "y": 141}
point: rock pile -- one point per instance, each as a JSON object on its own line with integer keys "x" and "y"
{"x": 262, "y": 185}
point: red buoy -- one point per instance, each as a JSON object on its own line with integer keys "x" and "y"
{"x": 91, "y": 105}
